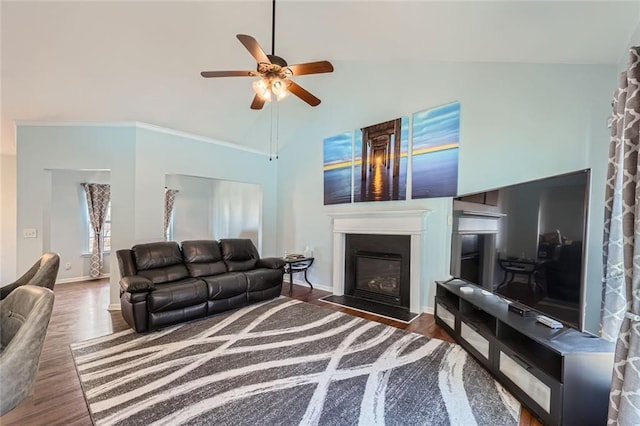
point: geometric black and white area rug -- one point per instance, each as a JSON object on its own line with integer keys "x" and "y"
{"x": 286, "y": 362}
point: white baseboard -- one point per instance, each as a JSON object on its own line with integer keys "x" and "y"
{"x": 79, "y": 279}
{"x": 114, "y": 307}
{"x": 305, "y": 284}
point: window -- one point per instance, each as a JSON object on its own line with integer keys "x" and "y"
{"x": 106, "y": 231}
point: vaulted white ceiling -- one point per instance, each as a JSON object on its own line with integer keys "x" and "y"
{"x": 140, "y": 61}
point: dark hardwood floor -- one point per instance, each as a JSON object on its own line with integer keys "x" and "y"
{"x": 80, "y": 312}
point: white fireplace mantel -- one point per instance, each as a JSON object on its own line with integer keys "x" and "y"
{"x": 400, "y": 222}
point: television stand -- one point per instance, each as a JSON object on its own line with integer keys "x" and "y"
{"x": 521, "y": 310}
{"x": 563, "y": 377}
{"x": 559, "y": 332}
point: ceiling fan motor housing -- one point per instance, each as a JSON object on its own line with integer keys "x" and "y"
{"x": 277, "y": 60}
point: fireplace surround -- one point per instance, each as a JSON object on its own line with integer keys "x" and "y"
{"x": 402, "y": 222}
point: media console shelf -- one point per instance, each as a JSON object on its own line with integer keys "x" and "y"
{"x": 563, "y": 376}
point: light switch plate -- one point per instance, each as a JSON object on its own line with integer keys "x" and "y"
{"x": 29, "y": 233}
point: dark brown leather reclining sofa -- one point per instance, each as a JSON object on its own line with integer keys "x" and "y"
{"x": 163, "y": 283}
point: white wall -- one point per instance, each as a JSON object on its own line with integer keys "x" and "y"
{"x": 164, "y": 154}
{"x": 518, "y": 122}
{"x": 58, "y": 147}
{"x": 215, "y": 208}
{"x": 237, "y": 211}
{"x": 191, "y": 208}
{"x": 634, "y": 40}
{"x": 8, "y": 200}
{"x": 139, "y": 158}
{"x": 68, "y": 222}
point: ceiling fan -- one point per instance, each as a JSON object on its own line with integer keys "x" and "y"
{"x": 274, "y": 73}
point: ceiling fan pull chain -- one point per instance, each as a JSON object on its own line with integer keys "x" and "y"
{"x": 271, "y": 136}
{"x": 277, "y": 127}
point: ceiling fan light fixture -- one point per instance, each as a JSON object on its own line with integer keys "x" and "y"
{"x": 279, "y": 88}
{"x": 282, "y": 95}
{"x": 271, "y": 88}
{"x": 262, "y": 89}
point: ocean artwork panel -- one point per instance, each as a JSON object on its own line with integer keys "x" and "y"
{"x": 337, "y": 167}
{"x": 384, "y": 157}
{"x": 435, "y": 149}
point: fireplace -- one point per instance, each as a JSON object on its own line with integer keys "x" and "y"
{"x": 377, "y": 268}
{"x": 378, "y": 277}
{"x": 409, "y": 224}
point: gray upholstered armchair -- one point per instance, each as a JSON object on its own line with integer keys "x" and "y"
{"x": 43, "y": 273}
{"x": 24, "y": 317}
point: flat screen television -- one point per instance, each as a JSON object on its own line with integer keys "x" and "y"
{"x": 526, "y": 242}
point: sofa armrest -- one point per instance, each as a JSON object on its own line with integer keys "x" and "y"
{"x": 136, "y": 284}
{"x": 271, "y": 263}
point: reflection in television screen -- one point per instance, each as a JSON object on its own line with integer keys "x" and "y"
{"x": 525, "y": 242}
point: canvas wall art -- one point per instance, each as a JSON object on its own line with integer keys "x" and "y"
{"x": 436, "y": 141}
{"x": 380, "y": 161}
{"x": 338, "y": 165}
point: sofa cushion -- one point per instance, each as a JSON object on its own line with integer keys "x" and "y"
{"x": 226, "y": 285}
{"x": 260, "y": 279}
{"x": 160, "y": 262}
{"x": 176, "y": 295}
{"x": 239, "y": 254}
{"x": 135, "y": 297}
{"x": 270, "y": 263}
{"x": 136, "y": 284}
{"x": 221, "y": 305}
{"x": 203, "y": 258}
{"x": 166, "y": 318}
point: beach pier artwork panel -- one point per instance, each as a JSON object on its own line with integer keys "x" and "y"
{"x": 338, "y": 167}
{"x": 436, "y": 142}
{"x": 380, "y": 161}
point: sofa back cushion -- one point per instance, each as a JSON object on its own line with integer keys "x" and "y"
{"x": 126, "y": 262}
{"x": 203, "y": 258}
{"x": 160, "y": 262}
{"x": 239, "y": 254}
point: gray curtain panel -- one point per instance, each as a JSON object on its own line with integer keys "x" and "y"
{"x": 169, "y": 199}
{"x": 621, "y": 300}
{"x": 98, "y": 196}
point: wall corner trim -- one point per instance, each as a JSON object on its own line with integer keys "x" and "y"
{"x": 139, "y": 125}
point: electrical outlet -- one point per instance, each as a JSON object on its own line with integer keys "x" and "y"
{"x": 29, "y": 233}
{"x": 67, "y": 266}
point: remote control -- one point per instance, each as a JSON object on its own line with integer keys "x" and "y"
{"x": 466, "y": 289}
{"x": 551, "y": 323}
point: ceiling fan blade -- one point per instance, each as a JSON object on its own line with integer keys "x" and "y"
{"x": 297, "y": 90}
{"x": 208, "y": 74}
{"x": 257, "y": 103}
{"x": 311, "y": 68}
{"x": 253, "y": 47}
